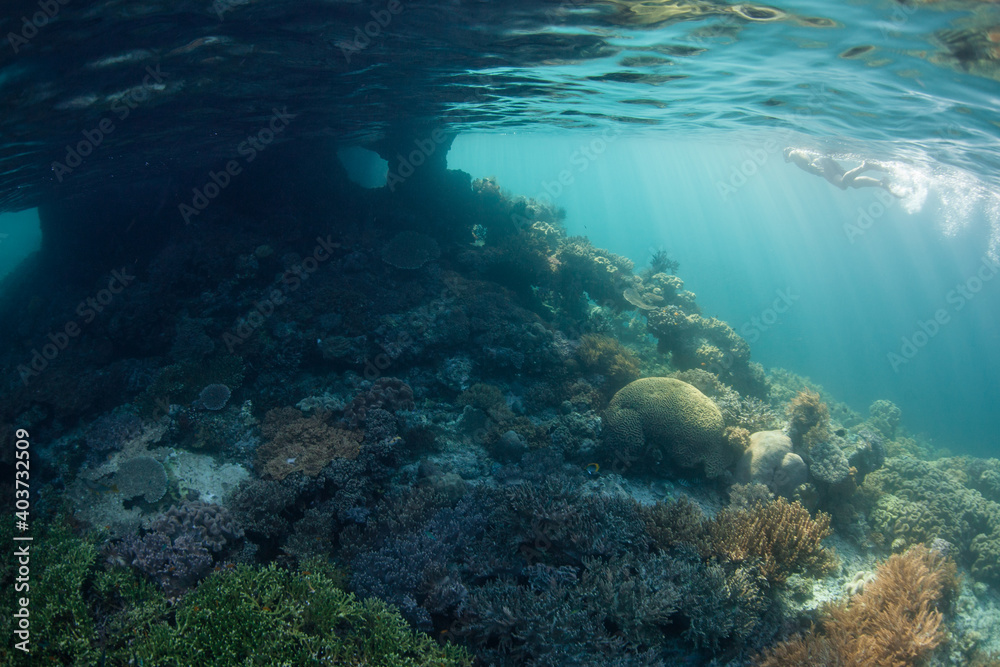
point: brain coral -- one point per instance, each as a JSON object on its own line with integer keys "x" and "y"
{"x": 653, "y": 417}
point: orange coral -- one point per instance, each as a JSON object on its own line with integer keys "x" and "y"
{"x": 809, "y": 419}
{"x": 299, "y": 444}
{"x": 738, "y": 437}
{"x": 780, "y": 534}
{"x": 895, "y": 622}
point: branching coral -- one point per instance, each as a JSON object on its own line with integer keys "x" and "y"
{"x": 895, "y": 622}
{"x": 299, "y": 444}
{"x": 605, "y": 355}
{"x": 780, "y": 534}
{"x": 292, "y": 618}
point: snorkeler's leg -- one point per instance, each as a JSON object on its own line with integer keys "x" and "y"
{"x": 866, "y": 182}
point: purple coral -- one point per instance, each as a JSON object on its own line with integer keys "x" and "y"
{"x": 178, "y": 550}
{"x": 113, "y": 430}
{"x": 174, "y": 564}
{"x": 390, "y": 394}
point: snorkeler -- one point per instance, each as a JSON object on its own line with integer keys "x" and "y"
{"x": 828, "y": 168}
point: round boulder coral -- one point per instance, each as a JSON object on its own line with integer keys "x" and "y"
{"x": 656, "y": 418}
{"x": 770, "y": 461}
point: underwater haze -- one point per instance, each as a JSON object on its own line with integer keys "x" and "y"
{"x": 549, "y": 333}
{"x": 855, "y": 284}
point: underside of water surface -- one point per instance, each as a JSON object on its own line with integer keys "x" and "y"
{"x": 474, "y": 333}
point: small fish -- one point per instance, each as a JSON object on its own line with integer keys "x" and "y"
{"x": 593, "y": 468}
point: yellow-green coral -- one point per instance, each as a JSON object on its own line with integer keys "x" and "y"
{"x": 663, "y": 419}
{"x": 605, "y": 355}
{"x": 915, "y": 501}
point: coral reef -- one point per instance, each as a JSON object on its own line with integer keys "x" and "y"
{"x": 769, "y": 460}
{"x": 781, "y": 535}
{"x": 914, "y": 502}
{"x": 605, "y": 355}
{"x": 656, "y": 420}
{"x": 808, "y": 419}
{"x": 387, "y": 393}
{"x": 141, "y": 476}
{"x": 214, "y": 397}
{"x": 896, "y": 620}
{"x": 182, "y": 545}
{"x": 299, "y": 618}
{"x": 447, "y": 456}
{"x": 296, "y": 443}
{"x": 112, "y": 430}
{"x": 410, "y": 250}
{"x": 885, "y": 417}
{"x": 94, "y": 614}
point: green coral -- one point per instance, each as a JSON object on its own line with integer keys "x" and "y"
{"x": 915, "y": 501}
{"x": 656, "y": 418}
{"x": 83, "y": 614}
{"x": 270, "y": 616}
{"x": 61, "y": 625}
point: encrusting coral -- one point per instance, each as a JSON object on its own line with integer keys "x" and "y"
{"x": 299, "y": 444}
{"x": 896, "y": 621}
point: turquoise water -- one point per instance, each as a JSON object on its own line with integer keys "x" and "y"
{"x": 857, "y": 283}
{"x": 271, "y": 337}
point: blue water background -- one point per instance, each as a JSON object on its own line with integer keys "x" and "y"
{"x": 853, "y": 297}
